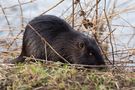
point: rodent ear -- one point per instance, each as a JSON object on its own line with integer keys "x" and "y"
{"x": 81, "y": 45}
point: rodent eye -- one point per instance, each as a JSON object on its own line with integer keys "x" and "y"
{"x": 90, "y": 54}
{"x": 81, "y": 45}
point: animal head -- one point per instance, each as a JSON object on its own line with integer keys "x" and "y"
{"x": 85, "y": 51}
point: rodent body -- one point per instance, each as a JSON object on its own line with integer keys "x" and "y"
{"x": 72, "y": 45}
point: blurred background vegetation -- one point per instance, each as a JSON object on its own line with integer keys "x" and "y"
{"x": 110, "y": 22}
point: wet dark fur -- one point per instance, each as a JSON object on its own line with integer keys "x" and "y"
{"x": 74, "y": 46}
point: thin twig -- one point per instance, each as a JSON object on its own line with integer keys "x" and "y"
{"x": 108, "y": 35}
{"x": 21, "y": 10}
{"x": 16, "y": 5}
{"x": 92, "y": 8}
{"x": 45, "y": 46}
{"x": 109, "y": 27}
{"x": 15, "y": 39}
{"x": 96, "y": 11}
{"x": 8, "y": 23}
{"x": 6, "y": 20}
{"x": 44, "y": 40}
{"x": 73, "y": 13}
{"x": 52, "y": 7}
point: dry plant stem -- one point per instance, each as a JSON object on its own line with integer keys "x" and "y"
{"x": 14, "y": 39}
{"x": 122, "y": 25}
{"x": 109, "y": 27}
{"x": 114, "y": 43}
{"x": 130, "y": 49}
{"x": 73, "y": 13}
{"x": 92, "y": 8}
{"x": 10, "y": 31}
{"x": 19, "y": 5}
{"x": 82, "y": 10}
{"x": 21, "y": 11}
{"x": 65, "y": 11}
{"x": 44, "y": 40}
{"x": 74, "y": 65}
{"x": 7, "y": 20}
{"x": 21, "y": 25}
{"x": 45, "y": 47}
{"x": 126, "y": 57}
{"x": 78, "y": 65}
{"x": 101, "y": 49}
{"x": 130, "y": 26}
{"x": 108, "y": 36}
{"x": 96, "y": 11}
{"x": 52, "y": 7}
{"x": 95, "y": 28}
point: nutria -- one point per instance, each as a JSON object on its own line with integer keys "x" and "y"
{"x": 72, "y": 45}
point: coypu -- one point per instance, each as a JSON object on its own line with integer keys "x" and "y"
{"x": 72, "y": 45}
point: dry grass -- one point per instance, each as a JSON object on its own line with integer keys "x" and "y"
{"x": 56, "y": 76}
